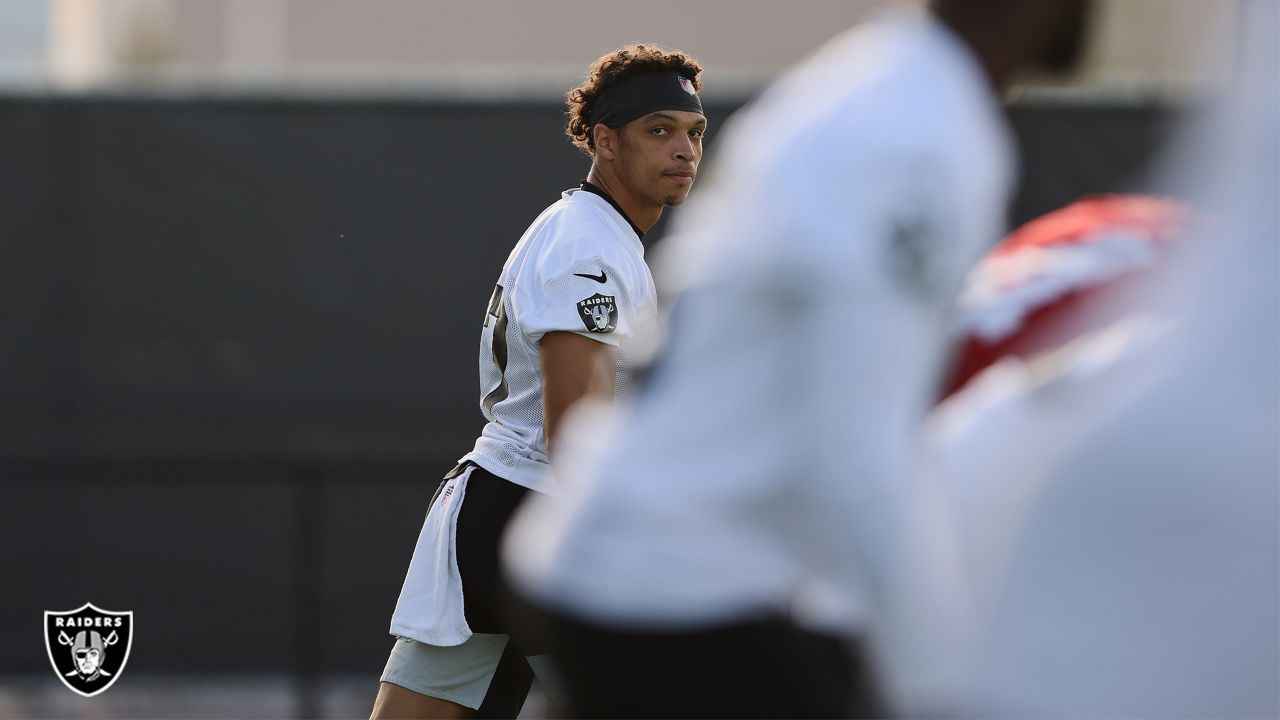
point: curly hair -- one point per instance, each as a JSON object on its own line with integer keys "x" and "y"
{"x": 608, "y": 70}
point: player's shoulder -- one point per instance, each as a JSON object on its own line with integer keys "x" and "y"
{"x": 579, "y": 212}
{"x": 581, "y": 224}
{"x": 900, "y": 86}
{"x": 904, "y": 78}
{"x": 576, "y": 236}
{"x": 929, "y": 93}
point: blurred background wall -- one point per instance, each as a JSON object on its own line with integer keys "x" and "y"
{"x": 536, "y": 48}
{"x": 244, "y": 251}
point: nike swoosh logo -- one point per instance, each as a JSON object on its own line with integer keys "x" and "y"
{"x": 601, "y": 278}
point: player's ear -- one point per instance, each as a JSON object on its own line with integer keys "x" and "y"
{"x": 606, "y": 140}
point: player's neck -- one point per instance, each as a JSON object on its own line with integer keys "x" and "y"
{"x": 642, "y": 213}
{"x": 996, "y": 63}
{"x": 1007, "y": 38}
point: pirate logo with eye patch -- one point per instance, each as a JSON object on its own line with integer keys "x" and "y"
{"x": 599, "y": 313}
{"x": 88, "y": 646}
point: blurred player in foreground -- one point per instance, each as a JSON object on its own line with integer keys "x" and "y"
{"x": 804, "y": 349}
{"x": 1129, "y": 560}
{"x": 570, "y": 299}
{"x": 1060, "y": 276}
{"x": 1074, "y": 278}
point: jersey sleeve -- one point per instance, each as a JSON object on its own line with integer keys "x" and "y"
{"x": 583, "y": 286}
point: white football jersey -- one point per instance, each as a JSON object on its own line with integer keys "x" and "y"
{"x": 815, "y": 279}
{"x": 1141, "y": 577}
{"x": 578, "y": 268}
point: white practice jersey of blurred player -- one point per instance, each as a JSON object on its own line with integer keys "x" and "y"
{"x": 1121, "y": 501}
{"x": 578, "y": 268}
{"x": 814, "y": 279}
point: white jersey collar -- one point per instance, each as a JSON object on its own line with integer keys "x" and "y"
{"x": 612, "y": 210}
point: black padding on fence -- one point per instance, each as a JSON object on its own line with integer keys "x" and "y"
{"x": 238, "y": 345}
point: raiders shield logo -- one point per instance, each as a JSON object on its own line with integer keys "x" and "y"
{"x": 599, "y": 313}
{"x": 88, "y": 646}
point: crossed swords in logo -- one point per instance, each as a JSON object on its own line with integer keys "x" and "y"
{"x": 108, "y": 641}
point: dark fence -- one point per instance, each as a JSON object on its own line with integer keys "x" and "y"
{"x": 238, "y": 348}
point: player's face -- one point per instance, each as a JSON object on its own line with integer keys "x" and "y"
{"x": 659, "y": 154}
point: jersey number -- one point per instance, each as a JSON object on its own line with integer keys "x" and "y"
{"x": 497, "y": 346}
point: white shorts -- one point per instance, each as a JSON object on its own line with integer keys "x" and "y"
{"x": 446, "y": 647}
{"x": 463, "y": 674}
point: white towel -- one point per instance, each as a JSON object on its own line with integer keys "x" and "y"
{"x": 430, "y": 608}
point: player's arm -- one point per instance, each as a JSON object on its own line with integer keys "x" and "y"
{"x": 573, "y": 367}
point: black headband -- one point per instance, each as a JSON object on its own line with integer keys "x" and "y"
{"x": 638, "y": 95}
